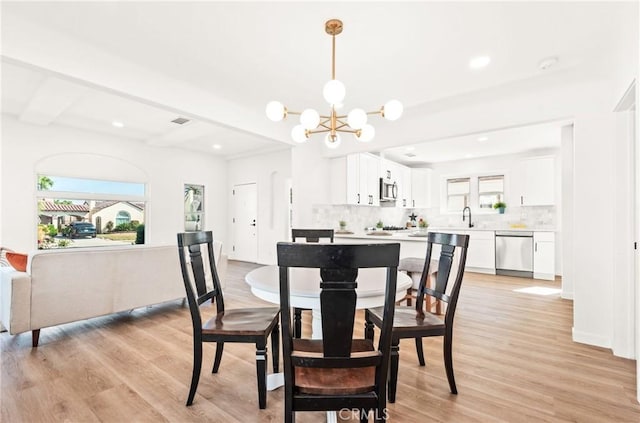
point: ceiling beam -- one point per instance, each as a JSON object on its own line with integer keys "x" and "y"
{"x": 50, "y": 100}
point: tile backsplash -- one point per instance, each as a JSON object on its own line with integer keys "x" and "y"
{"x": 360, "y": 217}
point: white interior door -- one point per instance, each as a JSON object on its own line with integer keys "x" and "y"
{"x": 245, "y": 222}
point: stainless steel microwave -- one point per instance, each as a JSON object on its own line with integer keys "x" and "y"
{"x": 388, "y": 190}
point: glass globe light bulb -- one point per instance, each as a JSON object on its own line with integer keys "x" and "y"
{"x": 275, "y": 111}
{"x": 357, "y": 118}
{"x": 298, "y": 134}
{"x": 310, "y": 119}
{"x": 392, "y": 110}
{"x": 366, "y": 133}
{"x": 334, "y": 91}
{"x": 332, "y": 142}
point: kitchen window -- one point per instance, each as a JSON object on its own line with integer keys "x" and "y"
{"x": 490, "y": 190}
{"x": 458, "y": 193}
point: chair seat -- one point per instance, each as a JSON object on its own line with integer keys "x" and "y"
{"x": 406, "y": 319}
{"x": 253, "y": 321}
{"x": 333, "y": 381}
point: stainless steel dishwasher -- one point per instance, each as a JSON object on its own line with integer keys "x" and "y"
{"x": 514, "y": 253}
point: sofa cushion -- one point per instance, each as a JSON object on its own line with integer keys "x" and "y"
{"x": 17, "y": 261}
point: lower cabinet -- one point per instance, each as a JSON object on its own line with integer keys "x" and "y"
{"x": 544, "y": 255}
{"x": 481, "y": 256}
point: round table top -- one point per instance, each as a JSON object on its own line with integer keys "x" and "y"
{"x": 305, "y": 286}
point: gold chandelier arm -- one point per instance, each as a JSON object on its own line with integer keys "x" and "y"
{"x": 291, "y": 112}
{"x": 318, "y": 131}
{"x": 350, "y": 131}
{"x": 377, "y": 112}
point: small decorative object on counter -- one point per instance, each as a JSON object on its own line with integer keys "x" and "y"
{"x": 343, "y": 225}
{"x": 500, "y": 206}
{"x": 379, "y": 225}
{"x": 423, "y": 224}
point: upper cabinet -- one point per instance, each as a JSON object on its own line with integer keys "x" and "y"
{"x": 421, "y": 188}
{"x": 537, "y": 182}
{"x": 355, "y": 179}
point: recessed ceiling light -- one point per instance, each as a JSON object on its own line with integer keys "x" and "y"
{"x": 547, "y": 62}
{"x": 217, "y": 146}
{"x": 479, "y": 62}
{"x": 482, "y": 139}
{"x": 117, "y": 124}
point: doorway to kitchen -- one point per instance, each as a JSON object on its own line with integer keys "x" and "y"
{"x": 245, "y": 222}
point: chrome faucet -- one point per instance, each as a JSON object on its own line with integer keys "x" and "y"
{"x": 463, "y": 214}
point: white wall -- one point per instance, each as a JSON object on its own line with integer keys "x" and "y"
{"x": 310, "y": 180}
{"x": 593, "y": 241}
{"x": 165, "y": 170}
{"x": 566, "y": 216}
{"x": 270, "y": 172}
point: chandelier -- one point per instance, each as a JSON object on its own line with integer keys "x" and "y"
{"x": 311, "y": 122}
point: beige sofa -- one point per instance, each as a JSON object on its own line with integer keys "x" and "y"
{"x": 62, "y": 286}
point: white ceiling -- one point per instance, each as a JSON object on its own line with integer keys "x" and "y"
{"x": 248, "y": 53}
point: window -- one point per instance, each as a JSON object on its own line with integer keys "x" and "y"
{"x": 490, "y": 190}
{"x": 123, "y": 217}
{"x": 457, "y": 193}
{"x": 78, "y": 212}
{"x": 193, "y": 207}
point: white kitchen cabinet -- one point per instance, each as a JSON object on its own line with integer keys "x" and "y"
{"x": 421, "y": 188}
{"x": 404, "y": 190}
{"x": 544, "y": 254}
{"x": 537, "y": 182}
{"x": 482, "y": 251}
{"x": 355, "y": 179}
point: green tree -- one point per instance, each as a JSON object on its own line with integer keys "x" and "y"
{"x": 45, "y": 183}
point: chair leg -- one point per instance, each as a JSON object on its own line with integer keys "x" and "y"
{"x": 297, "y": 322}
{"x": 419, "y": 351}
{"x": 409, "y": 297}
{"x": 448, "y": 362}
{"x": 35, "y": 337}
{"x": 218, "y": 359}
{"x": 393, "y": 370}
{"x": 197, "y": 365}
{"x": 261, "y": 367}
{"x": 275, "y": 347}
{"x": 368, "y": 326}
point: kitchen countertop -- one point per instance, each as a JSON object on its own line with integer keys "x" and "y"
{"x": 405, "y": 235}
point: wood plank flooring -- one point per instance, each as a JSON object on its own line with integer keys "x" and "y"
{"x": 513, "y": 358}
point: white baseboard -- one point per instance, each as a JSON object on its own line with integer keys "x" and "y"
{"x": 590, "y": 339}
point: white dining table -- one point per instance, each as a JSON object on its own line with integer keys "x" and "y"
{"x": 304, "y": 292}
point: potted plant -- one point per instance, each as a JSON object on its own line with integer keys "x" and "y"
{"x": 379, "y": 225}
{"x": 343, "y": 225}
{"x": 423, "y": 225}
{"x": 500, "y": 206}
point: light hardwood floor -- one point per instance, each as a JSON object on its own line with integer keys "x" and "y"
{"x": 513, "y": 358}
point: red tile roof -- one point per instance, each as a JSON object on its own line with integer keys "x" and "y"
{"x": 51, "y": 206}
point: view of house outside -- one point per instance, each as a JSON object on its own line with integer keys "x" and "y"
{"x": 71, "y": 213}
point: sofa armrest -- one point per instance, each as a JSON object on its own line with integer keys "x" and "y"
{"x": 15, "y": 299}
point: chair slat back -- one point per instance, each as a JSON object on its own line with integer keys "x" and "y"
{"x": 195, "y": 276}
{"x": 337, "y": 279}
{"x": 312, "y": 235}
{"x": 450, "y": 244}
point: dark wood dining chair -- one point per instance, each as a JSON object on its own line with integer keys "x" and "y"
{"x": 414, "y": 322}
{"x": 337, "y": 372}
{"x": 309, "y": 235}
{"x": 248, "y": 325}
